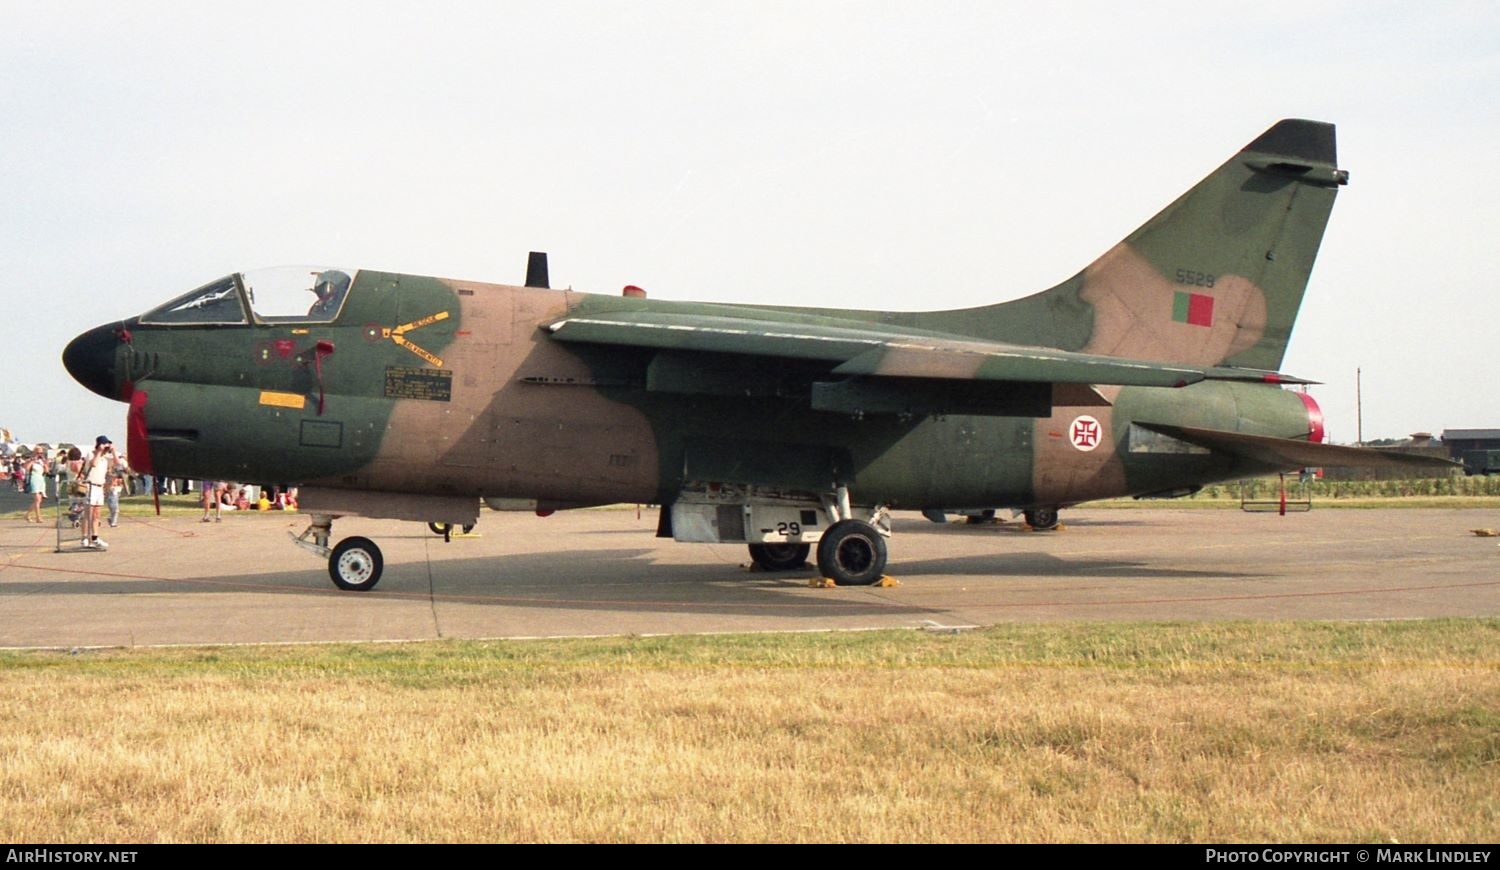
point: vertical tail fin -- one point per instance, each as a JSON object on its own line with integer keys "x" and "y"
{"x": 1215, "y": 279}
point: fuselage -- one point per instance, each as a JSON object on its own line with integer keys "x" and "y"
{"x": 1152, "y": 371}
{"x": 452, "y": 388}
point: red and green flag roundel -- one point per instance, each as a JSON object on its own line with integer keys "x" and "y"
{"x": 1195, "y": 309}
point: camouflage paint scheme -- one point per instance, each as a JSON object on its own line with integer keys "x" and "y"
{"x": 457, "y": 390}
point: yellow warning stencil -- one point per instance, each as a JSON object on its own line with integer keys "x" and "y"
{"x": 283, "y": 400}
{"x": 398, "y": 335}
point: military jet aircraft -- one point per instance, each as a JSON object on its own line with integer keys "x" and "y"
{"x": 1150, "y": 373}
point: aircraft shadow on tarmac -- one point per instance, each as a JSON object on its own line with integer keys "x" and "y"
{"x": 1007, "y": 527}
{"x": 627, "y": 580}
{"x": 601, "y": 580}
{"x": 1048, "y": 566}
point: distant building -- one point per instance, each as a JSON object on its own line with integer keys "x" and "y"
{"x": 1477, "y": 449}
{"x": 1459, "y": 440}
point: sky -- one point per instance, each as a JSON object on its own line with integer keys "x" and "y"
{"x": 898, "y": 156}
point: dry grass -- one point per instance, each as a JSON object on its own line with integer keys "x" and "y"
{"x": 1319, "y": 502}
{"x": 1289, "y": 732}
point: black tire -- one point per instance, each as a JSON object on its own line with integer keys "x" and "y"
{"x": 1043, "y": 519}
{"x": 852, "y": 553}
{"x": 979, "y": 519}
{"x": 780, "y": 557}
{"x": 442, "y": 528}
{"x": 355, "y": 565}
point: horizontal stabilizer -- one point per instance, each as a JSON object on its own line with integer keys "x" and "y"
{"x": 1294, "y": 453}
{"x": 1254, "y": 376}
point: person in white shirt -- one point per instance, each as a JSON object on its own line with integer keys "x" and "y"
{"x": 96, "y": 472}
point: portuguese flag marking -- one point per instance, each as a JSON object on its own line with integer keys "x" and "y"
{"x": 1195, "y": 309}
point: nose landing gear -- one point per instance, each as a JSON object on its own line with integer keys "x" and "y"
{"x": 354, "y": 565}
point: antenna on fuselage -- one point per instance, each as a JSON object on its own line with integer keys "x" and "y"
{"x": 536, "y": 270}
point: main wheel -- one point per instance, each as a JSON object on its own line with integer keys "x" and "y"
{"x": 355, "y": 565}
{"x": 852, "y": 553}
{"x": 1043, "y": 519}
{"x": 779, "y": 557}
{"x": 980, "y": 518}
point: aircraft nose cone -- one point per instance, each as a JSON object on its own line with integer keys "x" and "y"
{"x": 90, "y": 359}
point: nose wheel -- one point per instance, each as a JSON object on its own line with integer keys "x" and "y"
{"x": 355, "y": 564}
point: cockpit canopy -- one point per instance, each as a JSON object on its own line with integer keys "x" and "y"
{"x": 283, "y": 294}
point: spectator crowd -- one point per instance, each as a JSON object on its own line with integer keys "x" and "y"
{"x": 88, "y": 483}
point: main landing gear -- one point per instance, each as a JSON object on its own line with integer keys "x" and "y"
{"x": 853, "y": 552}
{"x": 1043, "y": 519}
{"x": 354, "y": 564}
{"x": 850, "y": 553}
{"x": 779, "y": 557}
{"x": 447, "y": 529}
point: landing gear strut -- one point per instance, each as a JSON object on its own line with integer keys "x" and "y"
{"x": 354, "y": 565}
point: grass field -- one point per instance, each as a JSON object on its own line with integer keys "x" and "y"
{"x": 1097, "y": 732}
{"x": 1225, "y": 501}
{"x": 1455, "y": 491}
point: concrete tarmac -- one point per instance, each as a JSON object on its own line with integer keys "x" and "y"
{"x": 603, "y": 572}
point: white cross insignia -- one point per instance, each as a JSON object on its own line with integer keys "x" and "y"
{"x": 1085, "y": 433}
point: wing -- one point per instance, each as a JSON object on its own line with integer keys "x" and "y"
{"x": 862, "y": 350}
{"x": 879, "y": 369}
